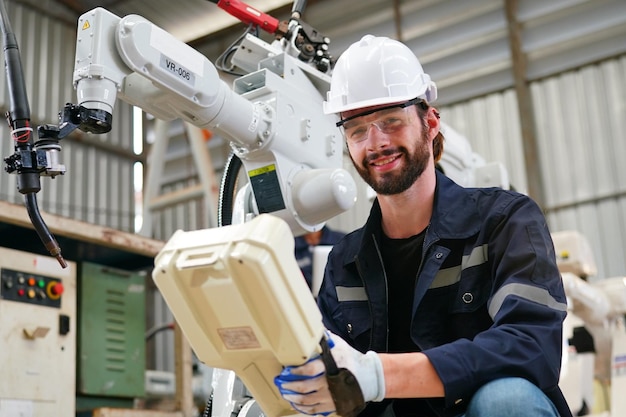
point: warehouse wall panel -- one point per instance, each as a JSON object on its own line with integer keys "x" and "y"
{"x": 581, "y": 125}
{"x": 98, "y": 185}
{"x": 491, "y": 124}
{"x": 581, "y": 117}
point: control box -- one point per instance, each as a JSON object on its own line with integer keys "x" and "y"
{"x": 111, "y": 335}
{"x": 37, "y": 334}
{"x": 238, "y": 295}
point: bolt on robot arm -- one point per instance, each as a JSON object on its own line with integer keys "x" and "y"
{"x": 272, "y": 116}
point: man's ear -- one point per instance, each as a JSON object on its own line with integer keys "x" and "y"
{"x": 432, "y": 118}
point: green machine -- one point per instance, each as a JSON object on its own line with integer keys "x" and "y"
{"x": 111, "y": 353}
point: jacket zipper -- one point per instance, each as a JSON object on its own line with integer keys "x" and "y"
{"x": 369, "y": 303}
{"x": 424, "y": 249}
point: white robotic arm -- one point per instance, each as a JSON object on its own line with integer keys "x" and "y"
{"x": 273, "y": 117}
{"x": 236, "y": 291}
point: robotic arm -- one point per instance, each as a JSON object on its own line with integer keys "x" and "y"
{"x": 272, "y": 116}
{"x": 236, "y": 291}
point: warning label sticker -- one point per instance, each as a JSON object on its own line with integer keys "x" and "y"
{"x": 236, "y": 338}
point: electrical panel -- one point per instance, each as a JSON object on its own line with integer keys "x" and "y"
{"x": 111, "y": 335}
{"x": 37, "y": 335}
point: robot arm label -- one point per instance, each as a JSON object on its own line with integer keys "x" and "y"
{"x": 161, "y": 40}
{"x": 178, "y": 70}
{"x": 266, "y": 188}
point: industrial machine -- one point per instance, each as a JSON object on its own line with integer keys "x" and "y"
{"x": 38, "y": 334}
{"x": 291, "y": 152}
{"x": 595, "y": 329}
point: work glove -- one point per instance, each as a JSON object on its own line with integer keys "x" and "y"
{"x": 306, "y": 388}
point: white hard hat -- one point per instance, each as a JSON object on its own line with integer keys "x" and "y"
{"x": 375, "y": 71}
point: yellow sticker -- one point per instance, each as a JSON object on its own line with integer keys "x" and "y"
{"x": 86, "y": 25}
{"x": 262, "y": 170}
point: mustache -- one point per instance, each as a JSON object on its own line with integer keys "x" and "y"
{"x": 386, "y": 152}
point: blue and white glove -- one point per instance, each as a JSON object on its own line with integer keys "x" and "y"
{"x": 305, "y": 387}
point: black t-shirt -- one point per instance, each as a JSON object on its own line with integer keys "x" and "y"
{"x": 401, "y": 258}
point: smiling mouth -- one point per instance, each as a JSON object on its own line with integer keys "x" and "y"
{"x": 385, "y": 161}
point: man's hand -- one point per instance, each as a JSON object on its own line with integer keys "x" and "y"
{"x": 306, "y": 387}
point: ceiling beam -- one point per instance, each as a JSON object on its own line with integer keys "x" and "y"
{"x": 519, "y": 64}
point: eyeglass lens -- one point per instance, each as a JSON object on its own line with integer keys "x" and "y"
{"x": 387, "y": 121}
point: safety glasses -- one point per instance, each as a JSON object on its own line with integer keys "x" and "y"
{"x": 387, "y": 120}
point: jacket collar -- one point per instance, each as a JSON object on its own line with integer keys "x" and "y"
{"x": 455, "y": 215}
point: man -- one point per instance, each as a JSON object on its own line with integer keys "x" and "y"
{"x": 453, "y": 293}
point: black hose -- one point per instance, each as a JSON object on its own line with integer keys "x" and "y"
{"x": 157, "y": 329}
{"x": 298, "y": 8}
{"x": 228, "y": 189}
{"x": 19, "y": 108}
{"x": 42, "y": 230}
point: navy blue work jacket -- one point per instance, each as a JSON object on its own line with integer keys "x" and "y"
{"x": 489, "y": 300}
{"x": 304, "y": 252}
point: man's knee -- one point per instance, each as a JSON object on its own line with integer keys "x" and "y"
{"x": 511, "y": 397}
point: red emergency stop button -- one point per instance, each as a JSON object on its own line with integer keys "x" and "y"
{"x": 54, "y": 290}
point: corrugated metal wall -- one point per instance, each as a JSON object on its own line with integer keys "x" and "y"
{"x": 581, "y": 121}
{"x": 98, "y": 186}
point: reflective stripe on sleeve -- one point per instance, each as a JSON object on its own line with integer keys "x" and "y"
{"x": 351, "y": 294}
{"x": 528, "y": 292}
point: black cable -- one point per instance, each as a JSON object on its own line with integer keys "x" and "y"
{"x": 24, "y": 161}
{"x": 42, "y": 230}
{"x": 228, "y": 189}
{"x": 19, "y": 108}
{"x": 222, "y": 62}
{"x": 298, "y": 8}
{"x": 157, "y": 329}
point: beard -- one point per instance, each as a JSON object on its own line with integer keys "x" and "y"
{"x": 390, "y": 183}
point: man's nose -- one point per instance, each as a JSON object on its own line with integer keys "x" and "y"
{"x": 375, "y": 137}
